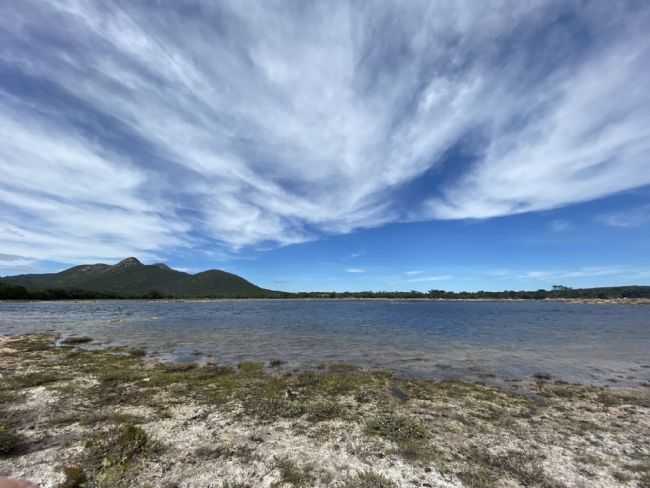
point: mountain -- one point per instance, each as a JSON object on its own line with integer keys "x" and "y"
{"x": 131, "y": 278}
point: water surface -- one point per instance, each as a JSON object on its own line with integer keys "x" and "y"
{"x": 600, "y": 344}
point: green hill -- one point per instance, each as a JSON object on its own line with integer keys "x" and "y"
{"x": 131, "y": 278}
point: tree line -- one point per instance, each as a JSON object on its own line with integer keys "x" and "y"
{"x": 13, "y": 292}
{"x": 541, "y": 294}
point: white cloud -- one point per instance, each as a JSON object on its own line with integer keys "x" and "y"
{"x": 633, "y": 217}
{"x": 12, "y": 265}
{"x": 355, "y": 270}
{"x": 65, "y": 198}
{"x": 252, "y": 124}
{"x": 590, "y": 137}
{"x": 559, "y": 225}
{"x": 586, "y": 272}
{"x": 413, "y": 272}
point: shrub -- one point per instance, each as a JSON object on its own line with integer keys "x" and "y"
{"x": 397, "y": 428}
{"x": 74, "y": 477}
{"x": 409, "y": 434}
{"x": 325, "y": 410}
{"x": 111, "y": 454}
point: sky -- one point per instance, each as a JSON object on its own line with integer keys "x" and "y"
{"x": 339, "y": 145}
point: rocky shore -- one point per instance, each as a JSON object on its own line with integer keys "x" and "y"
{"x": 111, "y": 418}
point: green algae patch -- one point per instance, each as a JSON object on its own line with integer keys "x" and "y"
{"x": 8, "y": 441}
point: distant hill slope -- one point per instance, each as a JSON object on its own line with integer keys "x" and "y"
{"x": 131, "y": 278}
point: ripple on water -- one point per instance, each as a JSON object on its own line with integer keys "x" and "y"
{"x": 573, "y": 342}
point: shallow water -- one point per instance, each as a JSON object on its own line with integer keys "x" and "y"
{"x": 599, "y": 344}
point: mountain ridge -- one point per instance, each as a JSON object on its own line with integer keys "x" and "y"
{"x": 132, "y": 278}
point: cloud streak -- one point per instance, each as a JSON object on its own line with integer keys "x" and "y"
{"x": 630, "y": 218}
{"x": 135, "y": 129}
{"x": 585, "y": 272}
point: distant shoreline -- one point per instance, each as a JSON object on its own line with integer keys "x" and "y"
{"x": 590, "y": 301}
{"x": 579, "y": 301}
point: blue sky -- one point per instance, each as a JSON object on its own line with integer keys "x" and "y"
{"x": 330, "y": 146}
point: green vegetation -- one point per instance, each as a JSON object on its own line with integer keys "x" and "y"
{"x": 31, "y": 380}
{"x": 397, "y": 428}
{"x": 111, "y": 455}
{"x": 8, "y": 396}
{"x": 251, "y": 367}
{"x": 614, "y": 292}
{"x": 408, "y": 433}
{"x": 8, "y": 441}
{"x": 17, "y": 292}
{"x": 74, "y": 477}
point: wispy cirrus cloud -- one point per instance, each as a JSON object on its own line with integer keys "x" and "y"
{"x": 355, "y": 270}
{"x": 135, "y": 129}
{"x": 629, "y": 218}
{"x": 585, "y": 272}
{"x": 10, "y": 263}
{"x": 64, "y": 196}
{"x": 559, "y": 225}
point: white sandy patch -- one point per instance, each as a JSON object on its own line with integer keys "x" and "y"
{"x": 192, "y": 428}
{"x": 44, "y": 466}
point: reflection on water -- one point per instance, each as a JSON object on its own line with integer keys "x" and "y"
{"x": 607, "y": 344}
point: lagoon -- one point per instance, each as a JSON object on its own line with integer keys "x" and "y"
{"x": 491, "y": 341}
